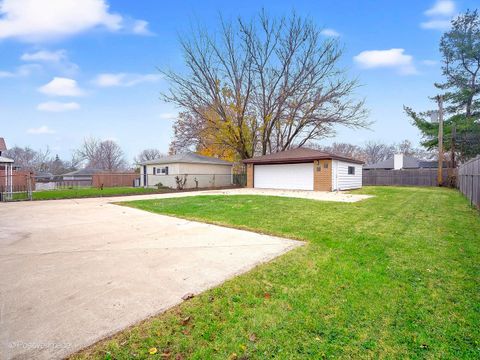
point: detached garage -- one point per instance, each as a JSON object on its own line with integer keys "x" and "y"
{"x": 304, "y": 169}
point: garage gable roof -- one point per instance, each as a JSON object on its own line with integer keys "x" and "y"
{"x": 191, "y": 158}
{"x": 298, "y": 155}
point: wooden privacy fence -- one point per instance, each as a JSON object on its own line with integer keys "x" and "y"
{"x": 404, "y": 177}
{"x": 114, "y": 179}
{"x": 469, "y": 180}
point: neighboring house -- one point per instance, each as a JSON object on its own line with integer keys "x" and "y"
{"x": 400, "y": 161}
{"x": 5, "y": 163}
{"x": 43, "y": 176}
{"x": 304, "y": 169}
{"x": 198, "y": 170}
{"x": 6, "y": 171}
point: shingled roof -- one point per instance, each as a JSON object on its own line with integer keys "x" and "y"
{"x": 409, "y": 162}
{"x": 190, "y": 157}
{"x": 3, "y": 146}
{"x": 298, "y": 155}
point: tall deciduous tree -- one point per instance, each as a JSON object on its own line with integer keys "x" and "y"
{"x": 264, "y": 85}
{"x": 192, "y": 132}
{"x": 148, "y": 154}
{"x": 106, "y": 155}
{"x": 29, "y": 159}
{"x": 38, "y": 161}
{"x": 375, "y": 151}
{"x": 342, "y": 149}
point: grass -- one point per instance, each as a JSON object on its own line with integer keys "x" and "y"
{"x": 393, "y": 277}
{"x": 72, "y": 193}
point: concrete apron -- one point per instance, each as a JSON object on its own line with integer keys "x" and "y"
{"x": 76, "y": 271}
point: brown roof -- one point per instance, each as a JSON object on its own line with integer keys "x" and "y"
{"x": 297, "y": 155}
{"x": 3, "y": 146}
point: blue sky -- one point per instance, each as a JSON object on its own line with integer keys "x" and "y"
{"x": 88, "y": 68}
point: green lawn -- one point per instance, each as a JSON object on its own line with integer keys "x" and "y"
{"x": 92, "y": 192}
{"x": 394, "y": 276}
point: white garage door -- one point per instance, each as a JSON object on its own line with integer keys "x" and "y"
{"x": 284, "y": 176}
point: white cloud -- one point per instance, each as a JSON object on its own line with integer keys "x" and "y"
{"x": 46, "y": 20}
{"x": 41, "y": 130}
{"x": 430, "y": 62}
{"x": 45, "y": 55}
{"x": 21, "y": 71}
{"x": 330, "y": 32}
{"x": 392, "y": 58}
{"x": 58, "y": 60}
{"x": 140, "y": 27}
{"x": 124, "y": 79}
{"x": 6, "y": 74}
{"x": 436, "y": 24}
{"x": 168, "y": 116}
{"x": 441, "y": 8}
{"x": 440, "y": 15}
{"x": 55, "y": 106}
{"x": 60, "y": 86}
{"x": 108, "y": 80}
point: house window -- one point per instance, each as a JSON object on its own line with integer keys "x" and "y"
{"x": 351, "y": 170}
{"x": 154, "y": 172}
{"x": 325, "y": 165}
{"x": 162, "y": 171}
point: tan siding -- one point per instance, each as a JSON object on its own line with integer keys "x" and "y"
{"x": 198, "y": 169}
{"x": 249, "y": 175}
{"x": 322, "y": 176}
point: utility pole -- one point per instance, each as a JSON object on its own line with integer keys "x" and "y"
{"x": 440, "y": 140}
{"x": 451, "y": 169}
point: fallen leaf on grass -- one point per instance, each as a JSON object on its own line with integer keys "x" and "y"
{"x": 185, "y": 320}
{"x": 267, "y": 295}
{"x": 252, "y": 337}
{"x": 188, "y": 296}
{"x": 152, "y": 350}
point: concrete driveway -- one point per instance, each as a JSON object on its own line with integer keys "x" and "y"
{"x": 76, "y": 271}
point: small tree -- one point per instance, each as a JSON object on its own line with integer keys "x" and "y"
{"x": 180, "y": 181}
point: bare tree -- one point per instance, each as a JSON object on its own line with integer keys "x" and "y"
{"x": 105, "y": 155}
{"x": 343, "y": 149}
{"x": 265, "y": 85}
{"x": 374, "y": 152}
{"x": 405, "y": 147}
{"x": 148, "y": 154}
{"x": 111, "y": 155}
{"x": 29, "y": 159}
